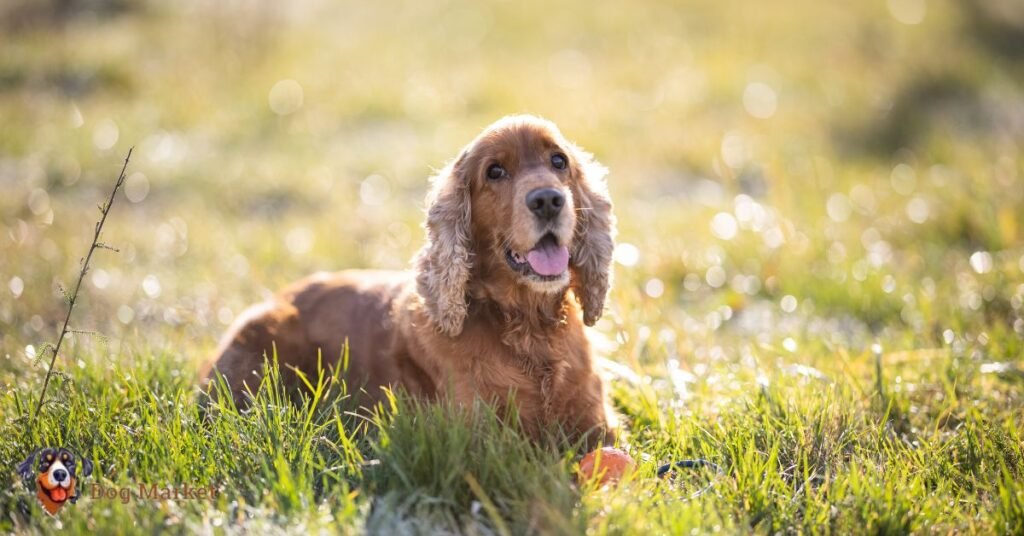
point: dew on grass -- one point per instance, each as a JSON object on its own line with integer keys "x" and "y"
{"x": 680, "y": 379}
{"x": 151, "y": 286}
{"x": 760, "y": 100}
{"x": 745, "y": 284}
{"x": 713, "y": 320}
{"x": 171, "y": 238}
{"x": 626, "y": 254}
{"x": 995, "y": 368}
{"x": 299, "y": 240}
{"x": 917, "y": 210}
{"x": 136, "y": 187}
{"x": 724, "y": 226}
{"x": 105, "y": 134}
{"x": 16, "y": 286}
{"x": 654, "y": 287}
{"x": 970, "y": 300}
{"x": 838, "y": 207}
{"x": 375, "y": 190}
{"x": 172, "y": 316}
{"x": 773, "y": 237}
{"x": 100, "y": 279}
{"x": 981, "y": 262}
{"x": 75, "y": 119}
{"x": 903, "y": 179}
{"x": 715, "y": 276}
{"x": 788, "y": 303}
{"x": 164, "y": 147}
{"x": 726, "y": 312}
{"x": 125, "y": 314}
{"x": 750, "y": 214}
{"x": 39, "y": 201}
{"x": 789, "y": 344}
{"x": 879, "y": 253}
{"x": 806, "y": 371}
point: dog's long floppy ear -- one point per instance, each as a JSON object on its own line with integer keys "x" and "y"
{"x": 25, "y": 469}
{"x": 86, "y": 466}
{"x": 594, "y": 240}
{"x": 443, "y": 264}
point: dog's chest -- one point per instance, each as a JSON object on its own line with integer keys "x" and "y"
{"x": 533, "y": 380}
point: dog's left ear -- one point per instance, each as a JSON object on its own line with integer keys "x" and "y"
{"x": 25, "y": 469}
{"x": 594, "y": 240}
{"x": 86, "y": 466}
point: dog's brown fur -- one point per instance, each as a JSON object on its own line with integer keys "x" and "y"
{"x": 464, "y": 324}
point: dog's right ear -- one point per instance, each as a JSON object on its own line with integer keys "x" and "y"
{"x": 25, "y": 469}
{"x": 443, "y": 264}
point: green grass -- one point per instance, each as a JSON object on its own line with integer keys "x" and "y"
{"x": 851, "y": 354}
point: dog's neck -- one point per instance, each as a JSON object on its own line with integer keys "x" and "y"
{"x": 537, "y": 309}
{"x": 527, "y": 318}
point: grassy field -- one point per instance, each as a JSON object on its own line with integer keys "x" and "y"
{"x": 819, "y": 272}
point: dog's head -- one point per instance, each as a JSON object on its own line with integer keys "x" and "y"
{"x": 521, "y": 205}
{"x": 56, "y": 471}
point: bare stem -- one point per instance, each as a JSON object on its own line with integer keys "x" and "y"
{"x": 73, "y": 297}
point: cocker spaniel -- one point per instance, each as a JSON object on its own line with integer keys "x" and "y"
{"x": 517, "y": 259}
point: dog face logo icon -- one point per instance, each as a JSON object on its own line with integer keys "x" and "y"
{"x": 56, "y": 475}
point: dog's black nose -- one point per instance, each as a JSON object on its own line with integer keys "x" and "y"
{"x": 60, "y": 475}
{"x": 546, "y": 203}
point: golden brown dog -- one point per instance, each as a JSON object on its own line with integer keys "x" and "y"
{"x": 517, "y": 259}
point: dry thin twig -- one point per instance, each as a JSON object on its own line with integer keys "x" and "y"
{"x": 73, "y": 297}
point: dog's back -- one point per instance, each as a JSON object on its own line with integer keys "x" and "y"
{"x": 312, "y": 319}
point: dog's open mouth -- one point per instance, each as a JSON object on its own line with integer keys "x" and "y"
{"x": 546, "y": 261}
{"x": 57, "y": 494}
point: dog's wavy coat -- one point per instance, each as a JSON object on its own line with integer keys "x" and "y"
{"x": 518, "y": 253}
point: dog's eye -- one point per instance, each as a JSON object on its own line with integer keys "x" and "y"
{"x": 496, "y": 172}
{"x": 558, "y": 160}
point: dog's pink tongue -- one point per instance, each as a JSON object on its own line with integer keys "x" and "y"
{"x": 548, "y": 259}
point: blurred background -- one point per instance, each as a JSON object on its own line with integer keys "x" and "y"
{"x": 792, "y": 179}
